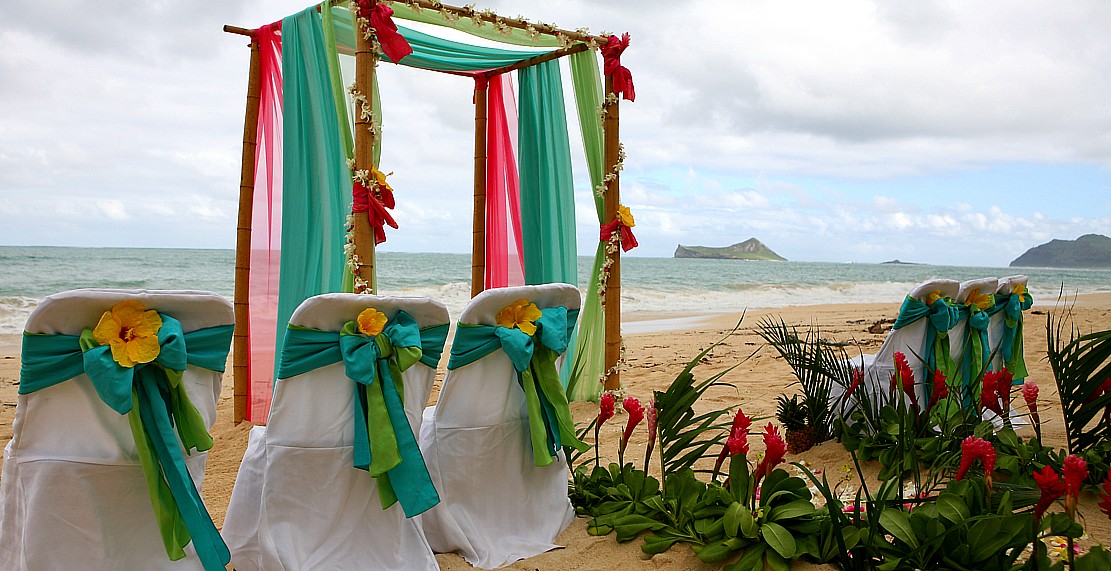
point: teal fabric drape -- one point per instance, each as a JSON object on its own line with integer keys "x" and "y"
{"x": 587, "y": 363}
{"x": 547, "y": 191}
{"x": 316, "y": 183}
{"x": 941, "y": 316}
{"x": 1011, "y": 351}
{"x": 384, "y": 444}
{"x": 159, "y": 411}
{"x": 977, "y": 352}
{"x": 430, "y": 52}
{"x": 551, "y": 426}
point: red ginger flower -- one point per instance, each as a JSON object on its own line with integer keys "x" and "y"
{"x": 774, "y": 450}
{"x": 996, "y": 387}
{"x": 1105, "y": 497}
{"x": 1030, "y": 395}
{"x": 904, "y": 378}
{"x": 940, "y": 389}
{"x": 737, "y": 441}
{"x": 972, "y": 449}
{"x": 1052, "y": 488}
{"x": 636, "y": 414}
{"x": 605, "y": 408}
{"x": 1074, "y": 471}
{"x": 858, "y": 376}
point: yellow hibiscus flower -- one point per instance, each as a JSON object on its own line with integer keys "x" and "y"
{"x": 521, "y": 314}
{"x": 131, "y": 330}
{"x": 1020, "y": 291}
{"x": 372, "y": 321}
{"x": 981, "y": 300}
{"x": 625, "y": 215}
{"x": 380, "y": 179}
{"x": 933, "y": 297}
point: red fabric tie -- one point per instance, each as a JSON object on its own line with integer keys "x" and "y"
{"x": 622, "y": 77}
{"x": 364, "y": 201}
{"x": 393, "y": 44}
{"x": 628, "y": 241}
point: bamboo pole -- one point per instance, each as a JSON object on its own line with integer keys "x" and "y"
{"x": 478, "y": 231}
{"x": 363, "y": 233}
{"x": 556, "y": 54}
{"x": 612, "y": 200}
{"x": 241, "y": 357}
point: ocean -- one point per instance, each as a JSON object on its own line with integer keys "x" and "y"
{"x": 649, "y": 285}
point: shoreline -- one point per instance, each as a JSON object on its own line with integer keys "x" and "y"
{"x": 658, "y": 346}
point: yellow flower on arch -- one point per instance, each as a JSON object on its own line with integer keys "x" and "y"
{"x": 380, "y": 179}
{"x": 981, "y": 300}
{"x": 372, "y": 321}
{"x": 625, "y": 215}
{"x": 131, "y": 330}
{"x": 1020, "y": 291}
{"x": 933, "y": 297}
{"x": 521, "y": 314}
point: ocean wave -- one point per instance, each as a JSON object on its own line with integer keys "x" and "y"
{"x": 14, "y": 311}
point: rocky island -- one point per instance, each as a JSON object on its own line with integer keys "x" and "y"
{"x": 751, "y": 249}
{"x": 1091, "y": 251}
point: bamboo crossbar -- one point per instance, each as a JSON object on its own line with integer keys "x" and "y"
{"x": 241, "y": 341}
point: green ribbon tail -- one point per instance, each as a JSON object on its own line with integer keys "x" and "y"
{"x": 1016, "y": 365}
{"x": 943, "y": 358}
{"x": 538, "y": 431}
{"x": 190, "y": 424}
{"x": 552, "y": 390}
{"x": 171, "y": 526}
{"x": 383, "y": 440}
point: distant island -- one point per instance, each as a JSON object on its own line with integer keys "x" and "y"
{"x": 751, "y": 249}
{"x": 1091, "y": 251}
{"x": 899, "y": 262}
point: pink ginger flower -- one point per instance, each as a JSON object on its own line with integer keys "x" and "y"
{"x": 1030, "y": 395}
{"x": 996, "y": 389}
{"x": 1052, "y": 488}
{"x": 737, "y": 441}
{"x": 636, "y": 414}
{"x": 1074, "y": 472}
{"x": 940, "y": 388}
{"x": 650, "y": 415}
{"x": 606, "y": 408}
{"x": 903, "y": 379}
{"x": 972, "y": 449}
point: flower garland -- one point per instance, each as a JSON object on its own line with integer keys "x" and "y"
{"x": 479, "y": 19}
{"x": 615, "y": 369}
{"x": 613, "y": 241}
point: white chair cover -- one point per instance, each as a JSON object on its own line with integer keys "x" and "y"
{"x": 497, "y": 507}
{"x": 298, "y": 503}
{"x": 908, "y": 340}
{"x": 72, "y": 493}
{"x": 996, "y": 327}
{"x": 959, "y": 333}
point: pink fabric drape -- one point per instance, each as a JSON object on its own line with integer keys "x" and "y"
{"x": 504, "y": 263}
{"x": 266, "y": 225}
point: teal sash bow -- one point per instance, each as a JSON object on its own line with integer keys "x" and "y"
{"x": 974, "y": 360}
{"x": 942, "y": 316}
{"x": 1010, "y": 344}
{"x": 153, "y": 397}
{"x": 384, "y": 443}
{"x": 551, "y": 426}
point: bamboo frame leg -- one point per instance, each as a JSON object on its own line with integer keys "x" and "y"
{"x": 364, "y": 160}
{"x": 241, "y": 358}
{"x": 612, "y": 200}
{"x": 478, "y": 232}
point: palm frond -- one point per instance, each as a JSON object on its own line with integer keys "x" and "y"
{"x": 1081, "y": 364}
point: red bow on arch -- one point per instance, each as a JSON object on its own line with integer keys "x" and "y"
{"x": 628, "y": 241}
{"x": 393, "y": 44}
{"x": 611, "y": 57}
{"x": 365, "y": 201}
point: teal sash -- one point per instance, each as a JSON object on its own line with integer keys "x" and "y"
{"x": 153, "y": 397}
{"x": 977, "y": 352}
{"x": 942, "y": 316}
{"x": 384, "y": 443}
{"x": 551, "y": 426}
{"x": 1010, "y": 344}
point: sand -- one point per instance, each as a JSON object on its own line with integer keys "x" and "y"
{"x": 657, "y": 348}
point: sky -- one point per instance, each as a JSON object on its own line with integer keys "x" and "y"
{"x": 955, "y": 133}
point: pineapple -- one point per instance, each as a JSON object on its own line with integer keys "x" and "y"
{"x": 792, "y": 415}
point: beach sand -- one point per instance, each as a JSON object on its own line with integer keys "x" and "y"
{"x": 657, "y": 348}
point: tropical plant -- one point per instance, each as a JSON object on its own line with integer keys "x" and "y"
{"x": 1082, "y": 370}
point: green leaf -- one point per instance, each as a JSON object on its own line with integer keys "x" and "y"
{"x": 715, "y": 552}
{"x": 752, "y": 559}
{"x": 732, "y": 518}
{"x": 896, "y": 522}
{"x": 797, "y": 508}
{"x": 655, "y": 544}
{"x": 952, "y": 507}
{"x": 777, "y": 562}
{"x": 748, "y": 526}
{"x": 778, "y": 538}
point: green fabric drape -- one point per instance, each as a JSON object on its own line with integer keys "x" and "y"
{"x": 153, "y": 397}
{"x": 974, "y": 358}
{"x": 547, "y": 191}
{"x": 587, "y": 363}
{"x": 384, "y": 444}
{"x": 335, "y": 77}
{"x": 316, "y": 185}
{"x": 465, "y": 24}
{"x": 551, "y": 426}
